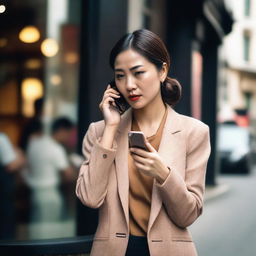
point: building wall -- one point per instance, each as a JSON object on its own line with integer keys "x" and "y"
{"x": 234, "y": 43}
{"x": 241, "y": 72}
{"x": 150, "y": 16}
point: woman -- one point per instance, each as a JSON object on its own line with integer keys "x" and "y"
{"x": 146, "y": 198}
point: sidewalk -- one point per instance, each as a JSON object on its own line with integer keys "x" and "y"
{"x": 227, "y": 225}
{"x": 222, "y": 187}
{"x": 212, "y": 192}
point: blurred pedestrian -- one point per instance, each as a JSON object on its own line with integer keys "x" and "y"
{"x": 48, "y": 166}
{"x": 11, "y": 160}
{"x": 146, "y": 197}
{"x": 33, "y": 126}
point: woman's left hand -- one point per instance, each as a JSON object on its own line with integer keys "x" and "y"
{"x": 150, "y": 163}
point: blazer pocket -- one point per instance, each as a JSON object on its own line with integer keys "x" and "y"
{"x": 181, "y": 239}
{"x": 100, "y": 238}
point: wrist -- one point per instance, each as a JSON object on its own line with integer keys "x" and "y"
{"x": 108, "y": 136}
{"x": 111, "y": 127}
{"x": 162, "y": 176}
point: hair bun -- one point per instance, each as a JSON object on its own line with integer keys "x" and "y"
{"x": 171, "y": 91}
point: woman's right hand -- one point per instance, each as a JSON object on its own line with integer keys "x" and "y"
{"x": 108, "y": 107}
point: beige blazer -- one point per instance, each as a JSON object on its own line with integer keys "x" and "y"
{"x": 103, "y": 183}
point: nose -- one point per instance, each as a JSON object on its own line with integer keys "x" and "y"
{"x": 130, "y": 84}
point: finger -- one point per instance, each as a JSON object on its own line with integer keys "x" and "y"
{"x": 114, "y": 95}
{"x": 139, "y": 159}
{"x": 112, "y": 90}
{"x": 139, "y": 166}
{"x": 142, "y": 168}
{"x": 105, "y": 97}
{"x": 140, "y": 152}
{"x": 108, "y": 101}
{"x": 147, "y": 163}
{"x": 150, "y": 147}
{"x": 110, "y": 95}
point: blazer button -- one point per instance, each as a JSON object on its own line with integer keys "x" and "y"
{"x": 105, "y": 156}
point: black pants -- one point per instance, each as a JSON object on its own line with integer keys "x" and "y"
{"x": 137, "y": 246}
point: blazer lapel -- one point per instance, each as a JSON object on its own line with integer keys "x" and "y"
{"x": 121, "y": 161}
{"x": 166, "y": 150}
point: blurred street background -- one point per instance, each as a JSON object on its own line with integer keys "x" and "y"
{"x": 227, "y": 226}
{"x": 53, "y": 71}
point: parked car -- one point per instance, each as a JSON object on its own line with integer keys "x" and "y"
{"x": 234, "y": 148}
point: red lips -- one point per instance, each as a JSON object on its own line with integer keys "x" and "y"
{"x": 134, "y": 97}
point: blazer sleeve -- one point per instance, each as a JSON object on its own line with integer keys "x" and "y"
{"x": 183, "y": 199}
{"x": 91, "y": 186}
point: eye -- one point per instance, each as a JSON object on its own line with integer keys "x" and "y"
{"x": 138, "y": 73}
{"x": 119, "y": 76}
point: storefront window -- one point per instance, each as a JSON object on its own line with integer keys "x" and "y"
{"x": 39, "y": 65}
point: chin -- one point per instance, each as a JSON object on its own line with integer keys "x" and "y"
{"x": 138, "y": 105}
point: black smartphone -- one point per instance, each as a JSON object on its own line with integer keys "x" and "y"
{"x": 137, "y": 140}
{"x": 121, "y": 103}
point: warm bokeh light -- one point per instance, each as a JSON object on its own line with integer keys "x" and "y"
{"x": 3, "y": 42}
{"x": 31, "y": 89}
{"x": 29, "y": 34}
{"x": 71, "y": 57}
{"x": 2, "y": 8}
{"x": 49, "y": 47}
{"x": 56, "y": 79}
{"x": 33, "y": 64}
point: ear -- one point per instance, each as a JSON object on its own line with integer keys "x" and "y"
{"x": 163, "y": 72}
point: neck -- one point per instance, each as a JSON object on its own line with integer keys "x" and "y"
{"x": 55, "y": 137}
{"x": 150, "y": 115}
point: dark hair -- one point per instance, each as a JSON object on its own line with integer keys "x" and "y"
{"x": 33, "y": 126}
{"x": 61, "y": 123}
{"x": 38, "y": 107}
{"x": 150, "y": 46}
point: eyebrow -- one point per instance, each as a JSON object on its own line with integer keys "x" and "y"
{"x": 131, "y": 69}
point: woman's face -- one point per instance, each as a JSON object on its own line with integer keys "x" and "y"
{"x": 137, "y": 79}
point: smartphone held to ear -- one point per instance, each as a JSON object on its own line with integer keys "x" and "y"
{"x": 137, "y": 140}
{"x": 121, "y": 103}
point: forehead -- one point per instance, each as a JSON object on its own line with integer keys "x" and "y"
{"x": 130, "y": 58}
